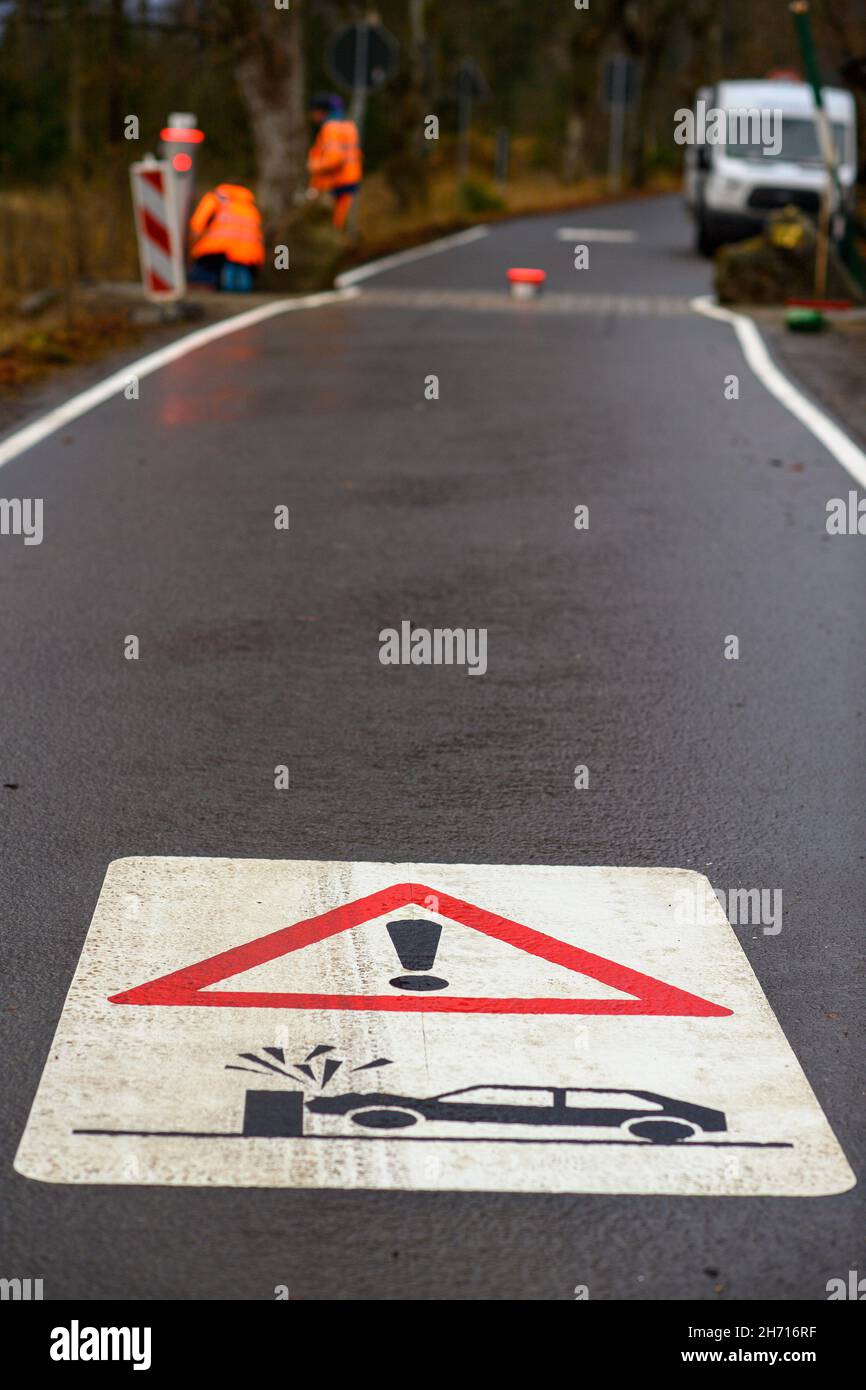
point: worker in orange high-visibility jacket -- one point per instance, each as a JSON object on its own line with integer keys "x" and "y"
{"x": 334, "y": 161}
{"x": 226, "y": 241}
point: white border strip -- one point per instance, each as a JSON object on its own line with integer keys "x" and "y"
{"x": 416, "y": 253}
{"x": 64, "y": 414}
{"x": 843, "y": 449}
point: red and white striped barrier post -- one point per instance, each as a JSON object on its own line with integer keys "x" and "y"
{"x": 160, "y": 247}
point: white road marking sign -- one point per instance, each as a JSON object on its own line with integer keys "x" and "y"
{"x": 259, "y": 1023}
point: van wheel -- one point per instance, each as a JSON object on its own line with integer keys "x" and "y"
{"x": 707, "y": 242}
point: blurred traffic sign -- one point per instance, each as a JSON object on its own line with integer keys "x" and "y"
{"x": 362, "y": 56}
{"x": 158, "y": 228}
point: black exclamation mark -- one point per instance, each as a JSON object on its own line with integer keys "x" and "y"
{"x": 416, "y": 944}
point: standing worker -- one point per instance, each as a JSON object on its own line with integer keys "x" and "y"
{"x": 226, "y": 241}
{"x": 334, "y": 160}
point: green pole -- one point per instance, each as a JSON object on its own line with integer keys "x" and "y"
{"x": 803, "y": 25}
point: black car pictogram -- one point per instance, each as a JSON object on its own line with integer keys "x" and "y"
{"x": 644, "y": 1114}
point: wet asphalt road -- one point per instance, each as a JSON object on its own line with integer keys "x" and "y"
{"x": 605, "y": 648}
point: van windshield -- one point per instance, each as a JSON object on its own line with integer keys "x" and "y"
{"x": 799, "y": 143}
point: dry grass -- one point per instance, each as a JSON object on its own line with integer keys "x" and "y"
{"x": 56, "y": 237}
{"x": 28, "y": 353}
{"x": 527, "y": 191}
{"x": 60, "y": 240}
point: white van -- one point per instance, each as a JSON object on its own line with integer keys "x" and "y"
{"x": 734, "y": 181}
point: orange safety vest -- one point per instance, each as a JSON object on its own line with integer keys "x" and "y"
{"x": 227, "y": 221}
{"x": 335, "y": 157}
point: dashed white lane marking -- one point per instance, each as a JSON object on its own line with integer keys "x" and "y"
{"x": 614, "y": 235}
{"x": 79, "y": 405}
{"x": 843, "y": 449}
{"x": 495, "y": 301}
{"x": 416, "y": 253}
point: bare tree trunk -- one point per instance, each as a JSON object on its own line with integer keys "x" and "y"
{"x": 418, "y": 57}
{"x": 270, "y": 76}
{"x": 75, "y": 141}
{"x": 406, "y": 167}
{"x": 579, "y": 50}
{"x": 115, "y": 69}
{"x": 641, "y": 125}
{"x": 573, "y": 160}
{"x": 75, "y": 84}
{"x": 645, "y": 33}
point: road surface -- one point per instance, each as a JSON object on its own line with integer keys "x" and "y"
{"x": 605, "y": 649}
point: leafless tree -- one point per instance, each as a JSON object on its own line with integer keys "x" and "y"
{"x": 271, "y": 78}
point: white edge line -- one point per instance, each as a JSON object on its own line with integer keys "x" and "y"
{"x": 415, "y": 253}
{"x": 843, "y": 449}
{"x": 61, "y": 415}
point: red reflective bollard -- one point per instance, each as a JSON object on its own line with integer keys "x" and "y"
{"x": 526, "y": 283}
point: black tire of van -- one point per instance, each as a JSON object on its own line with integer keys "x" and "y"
{"x": 707, "y": 241}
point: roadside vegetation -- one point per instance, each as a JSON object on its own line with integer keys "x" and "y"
{"x": 72, "y": 72}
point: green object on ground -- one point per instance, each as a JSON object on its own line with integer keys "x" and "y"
{"x": 805, "y": 320}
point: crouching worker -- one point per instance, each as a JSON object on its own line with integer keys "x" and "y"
{"x": 226, "y": 241}
{"x": 334, "y": 161}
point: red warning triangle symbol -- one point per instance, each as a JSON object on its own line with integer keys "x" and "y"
{"x": 190, "y": 985}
